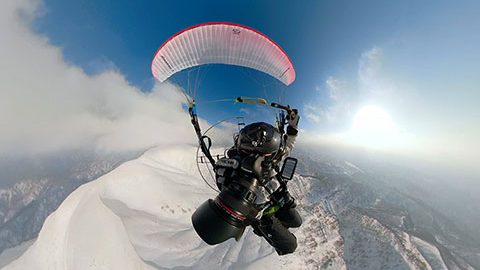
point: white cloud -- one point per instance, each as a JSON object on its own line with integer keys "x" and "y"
{"x": 49, "y": 105}
{"x": 317, "y": 115}
{"x": 312, "y": 114}
{"x": 100, "y": 65}
{"x": 373, "y": 83}
{"x": 345, "y": 97}
{"x": 335, "y": 109}
{"x": 246, "y": 111}
{"x": 370, "y": 65}
{"x": 412, "y": 136}
{"x": 336, "y": 88}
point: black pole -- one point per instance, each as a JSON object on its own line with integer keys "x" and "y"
{"x": 198, "y": 131}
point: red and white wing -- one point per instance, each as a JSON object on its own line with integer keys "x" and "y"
{"x": 222, "y": 43}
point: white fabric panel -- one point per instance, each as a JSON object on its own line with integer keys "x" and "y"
{"x": 222, "y": 43}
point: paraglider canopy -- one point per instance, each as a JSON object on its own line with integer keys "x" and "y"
{"x": 222, "y": 43}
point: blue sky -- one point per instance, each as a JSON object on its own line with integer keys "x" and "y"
{"x": 322, "y": 38}
{"x": 415, "y": 63}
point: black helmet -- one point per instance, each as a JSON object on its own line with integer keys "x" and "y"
{"x": 260, "y": 138}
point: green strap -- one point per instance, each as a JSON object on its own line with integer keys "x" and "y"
{"x": 271, "y": 210}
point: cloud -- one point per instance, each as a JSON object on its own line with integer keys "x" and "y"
{"x": 312, "y": 114}
{"x": 318, "y": 115}
{"x": 418, "y": 133}
{"x": 336, "y": 88}
{"x": 48, "y": 105}
{"x": 246, "y": 111}
{"x": 370, "y": 65}
{"x": 370, "y": 88}
{"x": 344, "y": 97}
{"x": 100, "y": 65}
{"x": 335, "y": 108}
{"x": 373, "y": 82}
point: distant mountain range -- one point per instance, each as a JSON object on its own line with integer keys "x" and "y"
{"x": 392, "y": 217}
{"x": 33, "y": 188}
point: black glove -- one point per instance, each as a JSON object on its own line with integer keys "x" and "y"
{"x": 292, "y": 120}
{"x": 260, "y": 227}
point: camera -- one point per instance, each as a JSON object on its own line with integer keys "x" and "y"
{"x": 234, "y": 208}
{"x": 229, "y": 213}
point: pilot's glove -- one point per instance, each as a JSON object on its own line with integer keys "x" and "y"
{"x": 292, "y": 120}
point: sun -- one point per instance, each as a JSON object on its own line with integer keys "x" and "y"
{"x": 373, "y": 119}
{"x": 373, "y": 127}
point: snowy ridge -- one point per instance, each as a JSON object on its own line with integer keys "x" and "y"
{"x": 18, "y": 196}
{"x": 431, "y": 252}
{"x": 401, "y": 242}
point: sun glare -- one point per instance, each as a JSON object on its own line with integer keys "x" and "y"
{"x": 373, "y": 127}
{"x": 372, "y": 119}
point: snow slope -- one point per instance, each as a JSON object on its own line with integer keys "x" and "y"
{"x": 13, "y": 253}
{"x": 138, "y": 217}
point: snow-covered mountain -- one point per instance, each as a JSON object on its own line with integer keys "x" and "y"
{"x": 138, "y": 217}
{"x": 391, "y": 217}
{"x": 33, "y": 189}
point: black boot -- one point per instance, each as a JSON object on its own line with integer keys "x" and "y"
{"x": 276, "y": 235}
{"x": 289, "y": 217}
